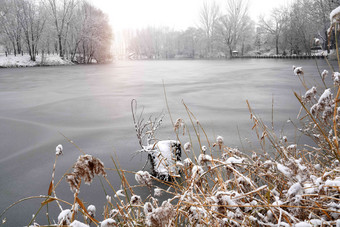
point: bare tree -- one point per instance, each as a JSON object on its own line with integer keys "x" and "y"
{"x": 231, "y": 25}
{"x": 10, "y": 25}
{"x": 32, "y": 19}
{"x": 96, "y": 35}
{"x": 62, "y": 12}
{"x": 209, "y": 15}
{"x": 274, "y": 26}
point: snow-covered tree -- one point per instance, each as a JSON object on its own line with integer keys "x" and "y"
{"x": 232, "y": 24}
{"x": 274, "y": 26}
{"x": 32, "y": 19}
{"x": 209, "y": 15}
{"x": 10, "y": 25}
{"x": 62, "y": 12}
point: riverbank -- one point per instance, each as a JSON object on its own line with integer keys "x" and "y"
{"x": 284, "y": 57}
{"x": 12, "y": 61}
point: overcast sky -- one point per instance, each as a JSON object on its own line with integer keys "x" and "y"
{"x": 177, "y": 14}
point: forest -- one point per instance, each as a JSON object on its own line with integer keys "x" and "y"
{"x": 78, "y": 31}
{"x": 225, "y": 28}
{"x": 73, "y": 29}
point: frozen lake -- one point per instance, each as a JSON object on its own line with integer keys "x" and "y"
{"x": 91, "y": 105}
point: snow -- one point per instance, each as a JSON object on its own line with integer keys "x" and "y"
{"x": 187, "y": 162}
{"x": 143, "y": 178}
{"x": 136, "y": 200}
{"x": 157, "y": 192}
{"x": 285, "y": 170}
{"x": 187, "y": 146}
{"x": 120, "y": 193}
{"x": 298, "y": 71}
{"x": 219, "y": 140}
{"x": 197, "y": 171}
{"x": 326, "y": 97}
{"x": 324, "y": 74}
{"x": 334, "y": 13}
{"x": 309, "y": 188}
{"x": 108, "y": 223}
{"x": 303, "y": 224}
{"x": 310, "y": 94}
{"x": 59, "y": 150}
{"x": 316, "y": 222}
{"x": 65, "y": 217}
{"x": 333, "y": 183}
{"x": 164, "y": 155}
{"x": 203, "y": 158}
{"x": 91, "y": 209}
{"x": 24, "y": 61}
{"x": 336, "y": 78}
{"x": 294, "y": 189}
{"x": 292, "y": 148}
{"x": 233, "y": 160}
{"x": 76, "y": 223}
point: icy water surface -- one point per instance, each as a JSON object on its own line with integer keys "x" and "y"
{"x": 91, "y": 106}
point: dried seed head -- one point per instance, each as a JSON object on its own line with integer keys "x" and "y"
{"x": 309, "y": 94}
{"x": 254, "y": 156}
{"x": 113, "y": 213}
{"x": 197, "y": 171}
{"x": 65, "y": 216}
{"x": 108, "y": 223}
{"x": 75, "y": 207}
{"x": 298, "y": 71}
{"x": 120, "y": 193}
{"x": 292, "y": 148}
{"x": 108, "y": 198}
{"x": 187, "y": 162}
{"x": 59, "y": 150}
{"x": 136, "y": 200}
{"x": 143, "y": 178}
{"x": 91, "y": 210}
{"x": 204, "y": 158}
{"x": 204, "y": 149}
{"x": 336, "y": 78}
{"x": 316, "y": 41}
{"x": 148, "y": 208}
{"x": 157, "y": 192}
{"x": 324, "y": 74}
{"x": 86, "y": 167}
{"x": 73, "y": 181}
{"x": 179, "y": 124}
{"x": 187, "y": 147}
{"x": 219, "y": 140}
{"x": 161, "y": 215}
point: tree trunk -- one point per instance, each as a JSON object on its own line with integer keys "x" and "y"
{"x": 60, "y": 46}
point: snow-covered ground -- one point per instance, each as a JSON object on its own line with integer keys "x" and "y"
{"x": 24, "y": 61}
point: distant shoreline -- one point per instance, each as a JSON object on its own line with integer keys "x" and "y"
{"x": 24, "y": 61}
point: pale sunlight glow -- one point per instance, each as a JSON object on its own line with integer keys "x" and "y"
{"x": 176, "y": 14}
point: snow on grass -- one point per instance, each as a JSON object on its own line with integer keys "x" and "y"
{"x": 25, "y": 61}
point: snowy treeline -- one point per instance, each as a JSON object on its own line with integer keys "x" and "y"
{"x": 228, "y": 27}
{"x": 73, "y": 29}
